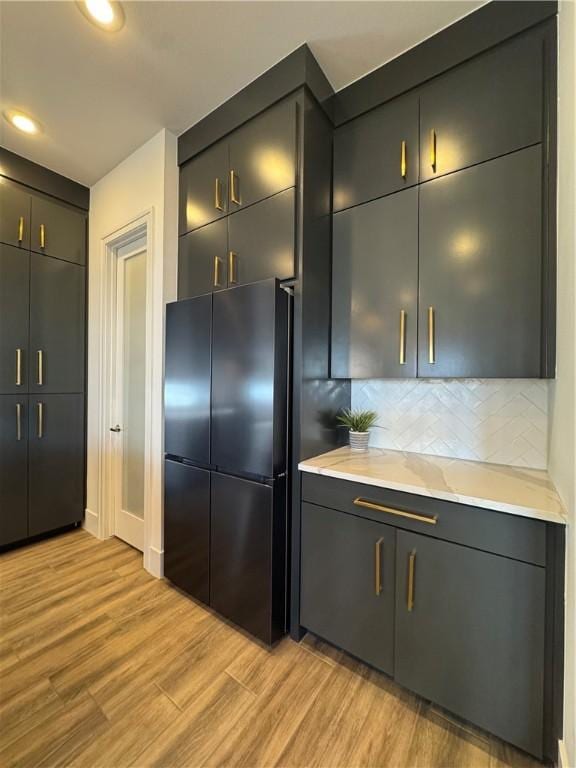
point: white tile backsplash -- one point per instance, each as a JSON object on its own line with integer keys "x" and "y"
{"x": 497, "y": 420}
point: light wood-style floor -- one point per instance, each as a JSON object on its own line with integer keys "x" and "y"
{"x": 103, "y": 665}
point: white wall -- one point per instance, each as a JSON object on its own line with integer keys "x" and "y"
{"x": 145, "y": 181}
{"x": 562, "y": 459}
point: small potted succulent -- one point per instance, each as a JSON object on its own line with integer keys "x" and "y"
{"x": 359, "y": 423}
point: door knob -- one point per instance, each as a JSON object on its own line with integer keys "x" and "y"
{"x": 117, "y": 428}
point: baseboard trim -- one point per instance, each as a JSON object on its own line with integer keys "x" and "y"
{"x": 91, "y": 523}
{"x": 155, "y": 562}
{"x": 563, "y": 759}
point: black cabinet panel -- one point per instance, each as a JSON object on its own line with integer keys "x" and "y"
{"x": 14, "y": 311}
{"x": 486, "y": 107}
{"x": 261, "y": 240}
{"x": 377, "y": 153}
{"x": 480, "y": 270}
{"x": 204, "y": 188}
{"x": 14, "y": 214}
{"x": 375, "y": 288}
{"x": 187, "y": 528}
{"x": 348, "y": 583}
{"x": 13, "y": 468}
{"x": 187, "y": 378}
{"x": 263, "y": 156}
{"x": 203, "y": 260}
{"x": 58, "y": 230}
{"x": 56, "y": 462}
{"x": 474, "y": 639}
{"x": 57, "y": 331}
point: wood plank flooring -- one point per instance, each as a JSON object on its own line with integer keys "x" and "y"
{"x": 103, "y": 666}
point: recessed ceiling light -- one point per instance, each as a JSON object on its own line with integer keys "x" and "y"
{"x": 106, "y": 14}
{"x": 22, "y": 121}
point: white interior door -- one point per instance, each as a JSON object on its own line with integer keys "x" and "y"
{"x": 129, "y": 420}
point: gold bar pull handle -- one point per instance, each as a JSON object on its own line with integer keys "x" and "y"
{"x": 233, "y": 193}
{"x": 431, "y": 336}
{"x": 40, "y": 362}
{"x": 378, "y": 567}
{"x": 42, "y": 236}
{"x": 360, "y": 502}
{"x": 411, "y": 577}
{"x": 18, "y": 421}
{"x": 18, "y": 367}
{"x": 217, "y": 262}
{"x": 402, "y": 355}
{"x": 40, "y": 408}
{"x": 433, "y": 149}
{"x": 20, "y": 229}
{"x": 403, "y": 161}
{"x": 217, "y": 195}
{"x": 232, "y": 271}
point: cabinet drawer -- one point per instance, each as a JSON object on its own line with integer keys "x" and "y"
{"x": 503, "y": 534}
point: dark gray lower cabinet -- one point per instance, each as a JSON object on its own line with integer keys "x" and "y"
{"x": 13, "y": 468}
{"x": 14, "y": 314}
{"x": 203, "y": 260}
{"x": 348, "y": 576}
{"x": 470, "y": 635}
{"x": 56, "y": 462}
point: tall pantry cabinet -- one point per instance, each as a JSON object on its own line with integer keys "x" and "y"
{"x": 42, "y": 351}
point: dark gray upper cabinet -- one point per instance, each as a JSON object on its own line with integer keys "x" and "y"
{"x": 263, "y": 156}
{"x": 486, "y": 107}
{"x": 375, "y": 288}
{"x": 14, "y": 311}
{"x": 480, "y": 270}
{"x": 57, "y": 330}
{"x": 13, "y": 468}
{"x": 348, "y": 583}
{"x": 14, "y": 214}
{"x": 377, "y": 153}
{"x": 470, "y": 635}
{"x": 204, "y": 188}
{"x": 58, "y": 230}
{"x": 203, "y": 260}
{"x": 56, "y": 462}
{"x": 261, "y": 240}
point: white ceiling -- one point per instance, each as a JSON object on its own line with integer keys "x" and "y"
{"x": 101, "y": 95}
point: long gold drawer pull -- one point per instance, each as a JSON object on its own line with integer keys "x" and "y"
{"x": 233, "y": 194}
{"x": 42, "y": 236}
{"x": 411, "y": 576}
{"x": 403, "y": 162}
{"x": 40, "y": 407}
{"x": 232, "y": 260}
{"x": 433, "y": 149}
{"x": 20, "y": 229}
{"x": 40, "y": 361}
{"x": 18, "y": 421}
{"x": 402, "y": 355}
{"x": 217, "y": 283}
{"x": 18, "y": 367}
{"x": 217, "y": 197}
{"x": 430, "y": 519}
{"x": 431, "y": 336}
{"x": 378, "y": 567}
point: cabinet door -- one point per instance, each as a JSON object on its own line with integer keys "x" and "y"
{"x": 486, "y": 107}
{"x": 56, "y": 462}
{"x": 375, "y": 287}
{"x": 187, "y": 528}
{"x": 57, "y": 331}
{"x": 263, "y": 156}
{"x": 58, "y": 230}
{"x": 480, "y": 270}
{"x": 203, "y": 260}
{"x": 14, "y": 309}
{"x": 13, "y": 468}
{"x": 14, "y": 215}
{"x": 261, "y": 241}
{"x": 204, "y": 188}
{"x": 470, "y": 635}
{"x": 347, "y": 583}
{"x": 377, "y": 153}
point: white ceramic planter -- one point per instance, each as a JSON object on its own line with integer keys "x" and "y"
{"x": 359, "y": 440}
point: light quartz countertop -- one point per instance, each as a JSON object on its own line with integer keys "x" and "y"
{"x": 516, "y": 491}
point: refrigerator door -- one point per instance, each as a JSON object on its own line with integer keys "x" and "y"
{"x": 187, "y": 378}
{"x": 249, "y": 370}
{"x": 187, "y": 528}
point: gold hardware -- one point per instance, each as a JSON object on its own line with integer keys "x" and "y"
{"x": 40, "y": 360}
{"x": 360, "y": 502}
{"x": 233, "y": 196}
{"x": 18, "y": 421}
{"x": 232, "y": 276}
{"x": 20, "y": 229}
{"x": 431, "y": 337}
{"x": 433, "y": 150}
{"x": 402, "y": 337}
{"x": 42, "y": 236}
{"x": 217, "y": 199}
{"x": 40, "y": 407}
{"x": 217, "y": 283}
{"x": 378, "y": 567}
{"x": 18, "y": 367}
{"x": 410, "y": 590}
{"x": 403, "y": 164}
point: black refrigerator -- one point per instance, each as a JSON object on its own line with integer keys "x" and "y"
{"x": 225, "y": 503}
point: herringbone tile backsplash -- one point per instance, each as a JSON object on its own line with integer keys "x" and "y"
{"x": 503, "y": 421}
